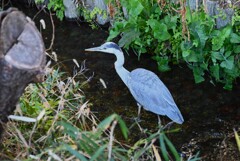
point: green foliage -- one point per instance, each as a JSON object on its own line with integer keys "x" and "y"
{"x": 86, "y": 13}
{"x": 67, "y": 129}
{"x": 236, "y": 19}
{"x": 155, "y": 30}
{"x": 146, "y": 29}
{"x": 58, "y": 7}
{"x": 90, "y": 15}
{"x": 237, "y": 139}
{"x": 211, "y": 50}
{"x": 39, "y": 1}
{"x": 93, "y": 144}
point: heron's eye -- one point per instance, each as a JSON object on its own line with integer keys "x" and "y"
{"x": 104, "y": 48}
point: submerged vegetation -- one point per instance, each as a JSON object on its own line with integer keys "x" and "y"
{"x": 62, "y": 127}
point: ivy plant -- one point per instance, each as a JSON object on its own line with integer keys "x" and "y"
{"x": 152, "y": 28}
{"x": 212, "y": 51}
{"x": 58, "y": 7}
{"x": 146, "y": 30}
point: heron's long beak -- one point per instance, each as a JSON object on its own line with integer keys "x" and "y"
{"x": 94, "y": 49}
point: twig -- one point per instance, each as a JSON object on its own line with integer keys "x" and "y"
{"x": 5, "y": 4}
{"x": 21, "y": 137}
{"x": 32, "y": 132}
{"x": 37, "y": 13}
{"x": 53, "y": 32}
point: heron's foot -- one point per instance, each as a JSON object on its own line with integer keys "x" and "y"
{"x": 136, "y": 122}
{"x": 168, "y": 126}
{"x": 137, "y": 119}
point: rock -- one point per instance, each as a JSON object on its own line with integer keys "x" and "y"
{"x": 224, "y": 15}
{"x": 194, "y": 4}
{"x": 100, "y": 4}
{"x": 71, "y": 11}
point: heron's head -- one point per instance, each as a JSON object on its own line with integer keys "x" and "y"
{"x": 108, "y": 47}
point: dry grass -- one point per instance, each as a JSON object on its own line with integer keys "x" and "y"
{"x": 56, "y": 123}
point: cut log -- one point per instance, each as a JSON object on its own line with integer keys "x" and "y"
{"x": 22, "y": 58}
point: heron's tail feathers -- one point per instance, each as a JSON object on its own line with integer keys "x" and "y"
{"x": 175, "y": 115}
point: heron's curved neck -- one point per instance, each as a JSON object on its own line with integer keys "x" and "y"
{"x": 122, "y": 72}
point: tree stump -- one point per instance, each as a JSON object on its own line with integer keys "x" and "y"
{"x": 22, "y": 58}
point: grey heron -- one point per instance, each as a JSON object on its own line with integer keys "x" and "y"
{"x": 145, "y": 86}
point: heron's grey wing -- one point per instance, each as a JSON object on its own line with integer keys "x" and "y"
{"x": 151, "y": 93}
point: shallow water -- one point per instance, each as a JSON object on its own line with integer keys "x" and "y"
{"x": 210, "y": 112}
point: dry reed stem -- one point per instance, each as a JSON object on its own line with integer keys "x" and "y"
{"x": 21, "y": 137}
{"x": 183, "y": 20}
{"x": 111, "y": 140}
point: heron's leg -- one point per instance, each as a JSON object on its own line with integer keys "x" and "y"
{"x": 159, "y": 121}
{"x": 139, "y": 110}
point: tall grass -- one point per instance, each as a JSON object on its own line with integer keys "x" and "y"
{"x": 56, "y": 123}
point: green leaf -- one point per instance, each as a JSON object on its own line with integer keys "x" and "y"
{"x": 113, "y": 34}
{"x": 172, "y": 148}
{"x": 160, "y": 30}
{"x": 163, "y": 147}
{"x": 135, "y": 7}
{"x": 193, "y": 57}
{"x": 226, "y": 31}
{"x": 219, "y": 37}
{"x": 99, "y": 152}
{"x": 128, "y": 37}
{"x": 217, "y": 55}
{"x": 188, "y": 13}
{"x": 186, "y": 53}
{"x": 217, "y": 43}
{"x": 215, "y": 69}
{"x": 228, "y": 85}
{"x": 116, "y": 30}
{"x": 237, "y": 139}
{"x": 84, "y": 146}
{"x": 105, "y": 124}
{"x": 171, "y": 22}
{"x": 234, "y": 38}
{"x": 199, "y": 34}
{"x": 69, "y": 129}
{"x": 162, "y": 62}
{"x": 123, "y": 127}
{"x": 236, "y": 49}
{"x": 228, "y": 63}
{"x": 90, "y": 141}
{"x": 217, "y": 40}
{"x": 227, "y": 53}
{"x": 198, "y": 74}
{"x": 186, "y": 45}
{"x": 75, "y": 153}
